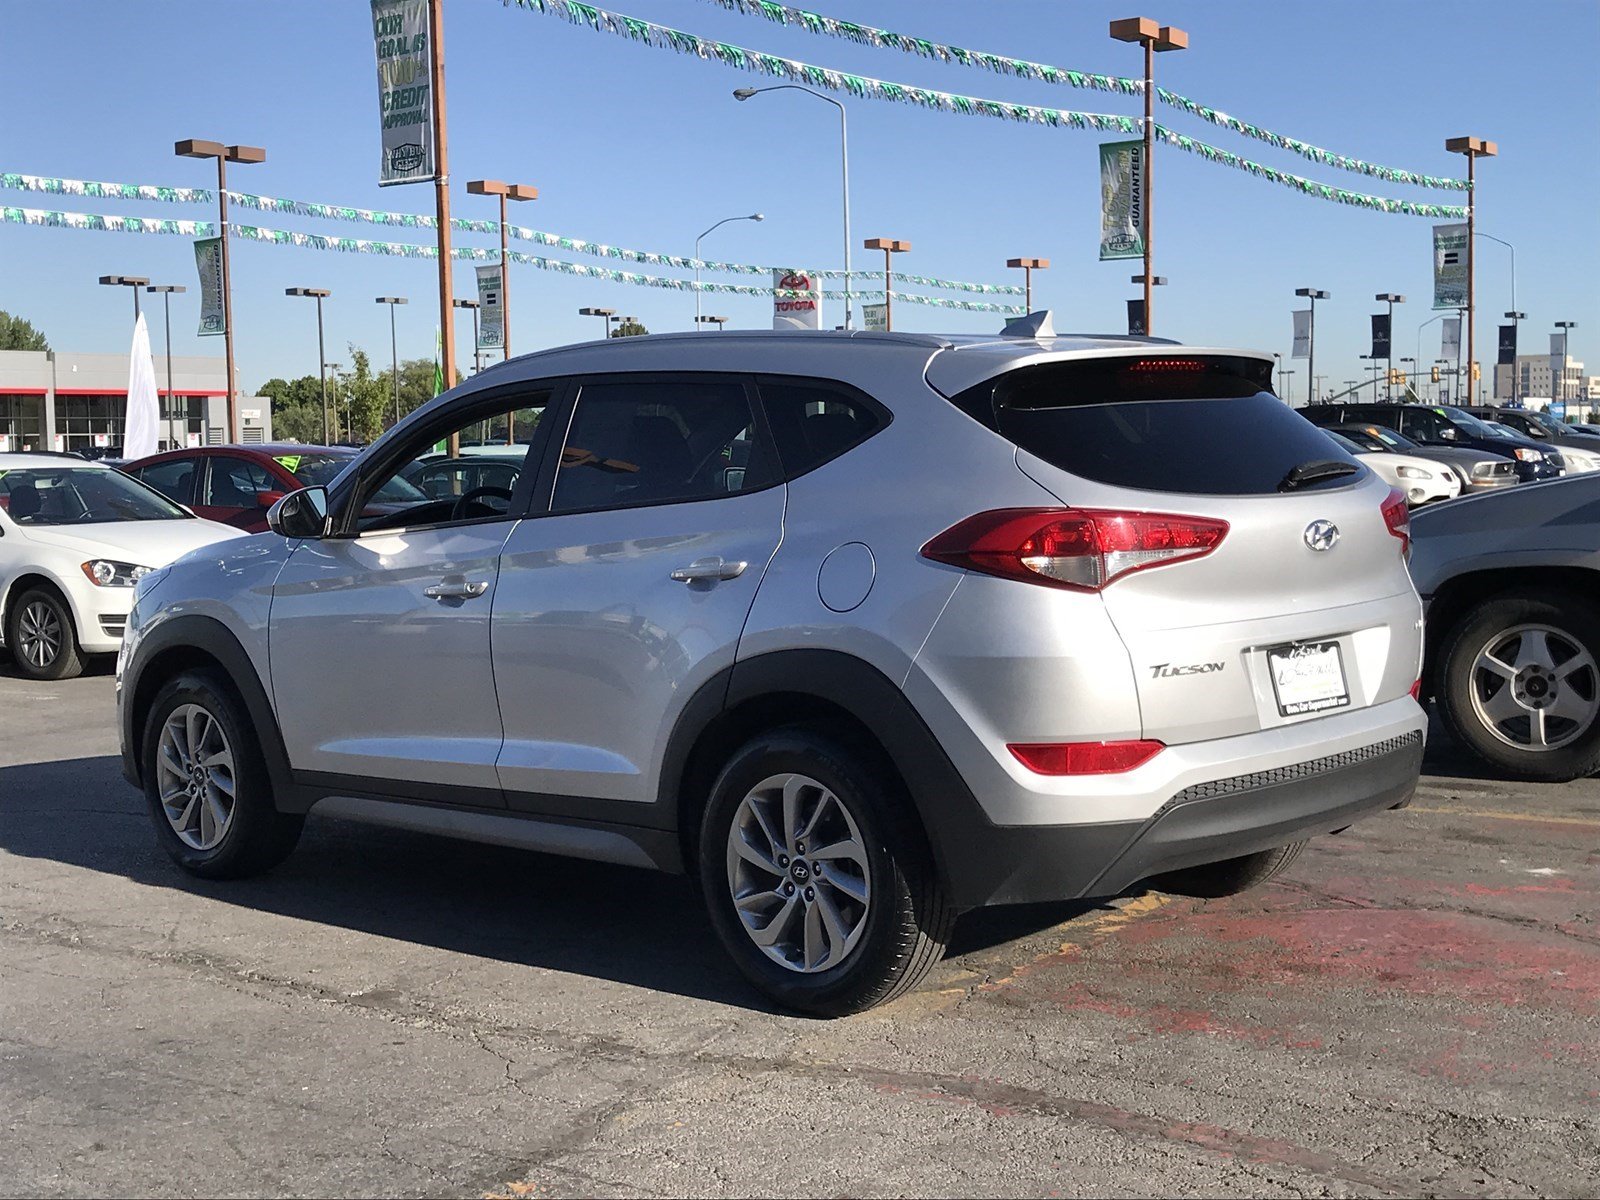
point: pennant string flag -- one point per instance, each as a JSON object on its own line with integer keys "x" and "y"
{"x": 867, "y": 35}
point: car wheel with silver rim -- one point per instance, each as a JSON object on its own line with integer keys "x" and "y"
{"x": 1520, "y": 683}
{"x": 39, "y": 631}
{"x": 816, "y": 873}
{"x": 206, "y": 781}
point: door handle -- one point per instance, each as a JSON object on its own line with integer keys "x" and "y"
{"x": 455, "y": 589}
{"x": 709, "y": 568}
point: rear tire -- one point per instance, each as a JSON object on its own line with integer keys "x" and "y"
{"x": 41, "y": 636}
{"x": 1471, "y": 696}
{"x": 839, "y": 926}
{"x": 1211, "y": 881}
{"x": 198, "y": 743}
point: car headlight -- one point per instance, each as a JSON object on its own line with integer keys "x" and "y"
{"x": 1414, "y": 473}
{"x": 1528, "y": 454}
{"x": 108, "y": 572}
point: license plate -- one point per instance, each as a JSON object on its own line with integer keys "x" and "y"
{"x": 1308, "y": 677}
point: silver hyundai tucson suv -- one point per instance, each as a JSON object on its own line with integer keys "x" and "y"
{"x": 861, "y": 630}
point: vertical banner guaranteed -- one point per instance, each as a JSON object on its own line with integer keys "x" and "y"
{"x": 1121, "y": 200}
{"x": 208, "y": 261}
{"x": 1302, "y": 334}
{"x": 491, "y": 312}
{"x": 1449, "y": 266}
{"x": 1380, "y": 335}
{"x": 405, "y": 90}
{"x": 1450, "y": 343}
{"x": 804, "y": 312}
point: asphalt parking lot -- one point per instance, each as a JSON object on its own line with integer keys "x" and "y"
{"x": 1412, "y": 1010}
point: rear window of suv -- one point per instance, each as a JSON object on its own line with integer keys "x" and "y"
{"x": 1208, "y": 426}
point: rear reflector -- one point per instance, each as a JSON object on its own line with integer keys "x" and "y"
{"x": 1079, "y": 548}
{"x": 1084, "y": 758}
{"x": 1397, "y": 516}
{"x": 1416, "y": 691}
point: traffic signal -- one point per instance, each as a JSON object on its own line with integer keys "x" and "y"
{"x": 1477, "y": 372}
{"x": 1436, "y": 375}
{"x": 1397, "y": 375}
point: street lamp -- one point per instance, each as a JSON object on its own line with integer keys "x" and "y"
{"x": 1391, "y": 299}
{"x": 165, "y": 290}
{"x": 196, "y": 148}
{"x": 742, "y": 94}
{"x": 718, "y": 225}
{"x": 1313, "y": 295}
{"x": 1155, "y": 282}
{"x": 719, "y": 322}
{"x": 334, "y": 367}
{"x": 1153, "y": 38}
{"x": 604, "y": 313}
{"x": 1566, "y": 328}
{"x": 319, "y": 295}
{"x": 459, "y": 302}
{"x": 889, "y": 246}
{"x": 1029, "y": 266}
{"x": 1474, "y": 148}
{"x": 1288, "y": 387}
{"x": 1372, "y": 365}
{"x": 394, "y": 350}
{"x": 1408, "y": 372}
{"x": 506, "y": 191}
{"x": 1516, "y": 318}
{"x": 127, "y": 281}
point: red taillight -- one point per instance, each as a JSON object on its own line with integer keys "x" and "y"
{"x": 1084, "y": 758}
{"x": 1397, "y": 516}
{"x": 1081, "y": 548}
{"x": 1170, "y": 365}
{"x": 1416, "y": 691}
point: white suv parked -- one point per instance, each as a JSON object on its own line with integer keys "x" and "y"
{"x": 861, "y": 629}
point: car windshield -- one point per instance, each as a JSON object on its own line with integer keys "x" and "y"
{"x": 1388, "y": 439}
{"x": 1495, "y": 429}
{"x": 1468, "y": 423}
{"x": 81, "y": 496}
{"x": 1346, "y": 444}
{"x": 314, "y": 470}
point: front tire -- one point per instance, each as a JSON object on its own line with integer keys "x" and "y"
{"x": 207, "y": 785}
{"x": 817, "y": 877}
{"x": 42, "y": 637}
{"x": 1519, "y": 684}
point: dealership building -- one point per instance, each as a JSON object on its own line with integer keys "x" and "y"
{"x": 64, "y": 401}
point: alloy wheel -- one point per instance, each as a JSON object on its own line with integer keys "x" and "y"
{"x": 39, "y": 635}
{"x": 1535, "y": 687}
{"x": 798, "y": 873}
{"x": 195, "y": 776}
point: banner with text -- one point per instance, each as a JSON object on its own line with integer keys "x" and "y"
{"x": 1380, "y": 335}
{"x": 1136, "y": 321}
{"x": 796, "y": 312}
{"x": 208, "y": 261}
{"x": 1449, "y": 266}
{"x": 1121, "y": 200}
{"x": 1302, "y": 334}
{"x": 1508, "y": 345}
{"x": 405, "y": 90}
{"x": 875, "y": 318}
{"x": 491, "y": 309}
{"x": 1450, "y": 343}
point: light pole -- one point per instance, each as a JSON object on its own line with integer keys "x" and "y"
{"x": 334, "y": 367}
{"x": 1313, "y": 295}
{"x": 1474, "y": 148}
{"x": 319, "y": 295}
{"x": 1277, "y": 365}
{"x": 460, "y": 302}
{"x": 1372, "y": 365}
{"x": 1440, "y": 365}
{"x": 197, "y": 148}
{"x": 604, "y": 313}
{"x": 1029, "y": 266}
{"x": 1153, "y": 282}
{"x": 1391, "y": 299}
{"x": 1288, "y": 388}
{"x": 394, "y": 350}
{"x": 719, "y": 322}
{"x": 506, "y": 191}
{"x": 718, "y": 225}
{"x": 1316, "y": 382}
{"x": 1153, "y": 38}
{"x": 165, "y": 290}
{"x": 742, "y": 94}
{"x": 1408, "y": 372}
{"x": 1516, "y": 318}
{"x": 1566, "y": 328}
{"x": 889, "y": 246}
{"x": 127, "y": 281}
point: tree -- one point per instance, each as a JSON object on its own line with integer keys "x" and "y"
{"x": 296, "y": 408}
{"x": 16, "y": 333}
{"x": 364, "y": 399}
{"x": 629, "y": 328}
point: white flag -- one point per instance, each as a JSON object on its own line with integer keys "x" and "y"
{"x": 1450, "y": 346}
{"x": 139, "y": 429}
{"x": 1302, "y": 334}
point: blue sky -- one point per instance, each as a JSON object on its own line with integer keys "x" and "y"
{"x": 645, "y": 148}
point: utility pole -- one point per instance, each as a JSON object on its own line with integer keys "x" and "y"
{"x": 1474, "y": 148}
{"x": 441, "y": 196}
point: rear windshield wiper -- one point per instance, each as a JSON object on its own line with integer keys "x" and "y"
{"x": 1314, "y": 472}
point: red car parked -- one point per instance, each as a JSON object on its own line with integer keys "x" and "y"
{"x": 237, "y": 484}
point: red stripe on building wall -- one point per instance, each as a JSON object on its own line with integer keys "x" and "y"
{"x": 22, "y": 391}
{"x": 124, "y": 392}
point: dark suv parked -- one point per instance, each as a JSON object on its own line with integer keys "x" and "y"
{"x": 1537, "y": 426}
{"x": 1444, "y": 425}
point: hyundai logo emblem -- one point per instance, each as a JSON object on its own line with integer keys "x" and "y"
{"x": 1321, "y": 535}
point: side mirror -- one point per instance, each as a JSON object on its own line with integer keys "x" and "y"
{"x": 267, "y": 499}
{"x": 301, "y": 514}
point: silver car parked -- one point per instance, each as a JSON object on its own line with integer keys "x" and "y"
{"x": 862, "y": 630}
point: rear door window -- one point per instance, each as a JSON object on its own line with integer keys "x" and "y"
{"x": 814, "y": 423}
{"x": 173, "y": 479}
{"x": 1203, "y": 426}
